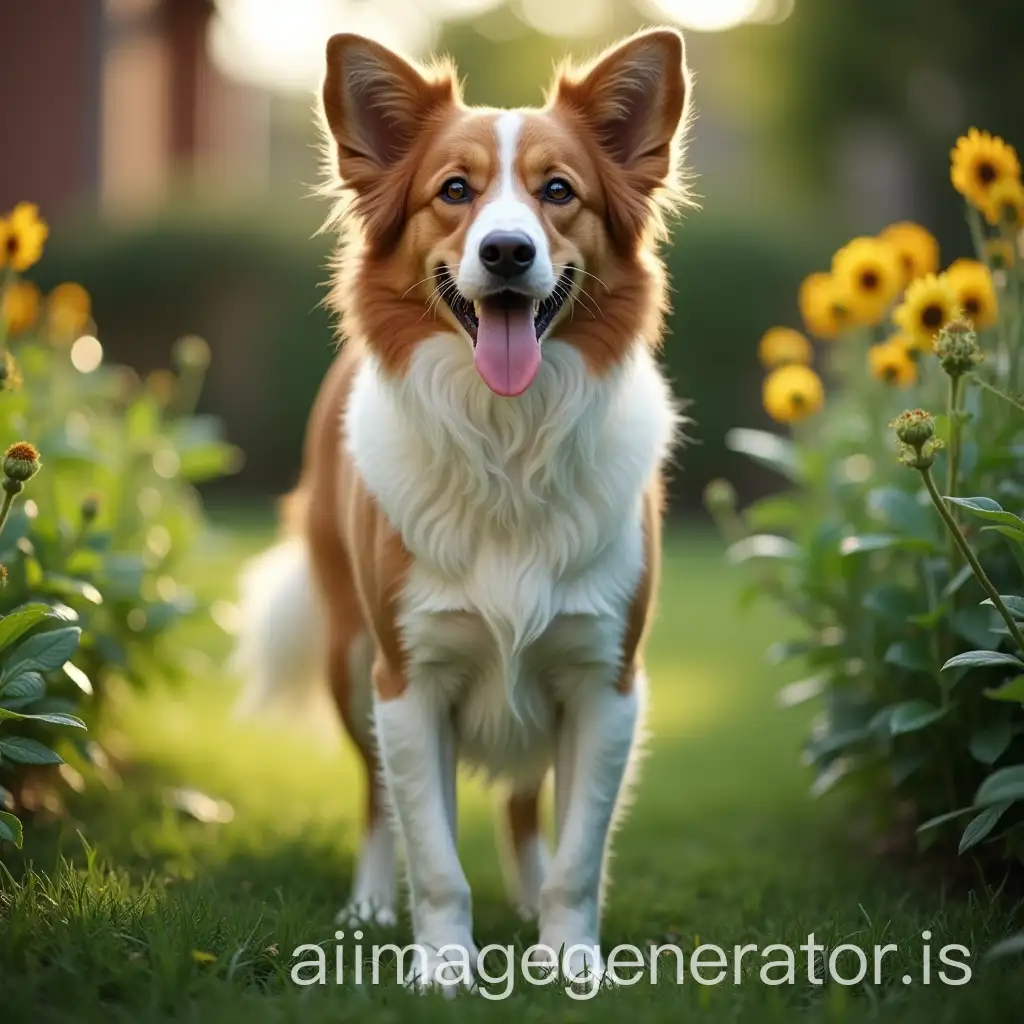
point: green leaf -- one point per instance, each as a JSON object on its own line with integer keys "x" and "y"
{"x": 20, "y": 621}
{"x": 900, "y": 511}
{"x": 769, "y": 450}
{"x": 979, "y": 659}
{"x": 975, "y": 626}
{"x": 978, "y": 828}
{"x": 1014, "y": 604}
{"x": 776, "y": 512}
{"x": 892, "y": 603}
{"x": 988, "y": 743}
{"x": 1008, "y": 947}
{"x": 1013, "y": 691}
{"x": 210, "y": 461}
{"x": 23, "y": 750}
{"x": 942, "y": 819}
{"x": 69, "y": 587}
{"x": 911, "y": 655}
{"x": 1003, "y": 784}
{"x": 10, "y": 829}
{"x": 1014, "y": 535}
{"x": 27, "y": 687}
{"x": 991, "y": 511}
{"x": 867, "y": 542}
{"x": 913, "y": 715}
{"x": 50, "y": 717}
{"x": 761, "y": 545}
{"x": 43, "y": 652}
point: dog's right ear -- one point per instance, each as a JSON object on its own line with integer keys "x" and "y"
{"x": 375, "y": 104}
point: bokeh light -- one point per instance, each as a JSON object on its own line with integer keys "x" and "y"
{"x": 86, "y": 354}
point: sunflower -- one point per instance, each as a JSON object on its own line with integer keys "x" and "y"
{"x": 971, "y": 282}
{"x": 20, "y": 306}
{"x": 824, "y": 305}
{"x": 1004, "y": 204}
{"x": 893, "y": 363}
{"x": 928, "y": 303}
{"x": 780, "y": 346}
{"x": 916, "y": 247}
{"x": 1000, "y": 253}
{"x": 69, "y": 309}
{"x": 22, "y": 234}
{"x": 979, "y": 160}
{"x": 869, "y": 270}
{"x": 792, "y": 393}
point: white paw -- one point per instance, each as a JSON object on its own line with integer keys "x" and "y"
{"x": 448, "y": 968}
{"x": 579, "y": 961}
{"x": 366, "y": 912}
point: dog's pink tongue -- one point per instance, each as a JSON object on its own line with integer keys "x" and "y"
{"x": 507, "y": 350}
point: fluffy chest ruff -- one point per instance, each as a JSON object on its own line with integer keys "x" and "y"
{"x": 523, "y": 520}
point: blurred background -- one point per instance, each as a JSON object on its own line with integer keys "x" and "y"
{"x": 170, "y": 144}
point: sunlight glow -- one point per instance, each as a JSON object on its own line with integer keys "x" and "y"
{"x": 281, "y": 45}
{"x": 86, "y": 354}
{"x": 719, "y": 15}
{"x": 581, "y": 18}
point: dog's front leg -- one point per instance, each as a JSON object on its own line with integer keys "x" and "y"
{"x": 417, "y": 749}
{"x": 594, "y": 745}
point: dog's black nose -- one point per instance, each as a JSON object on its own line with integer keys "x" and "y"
{"x": 507, "y": 253}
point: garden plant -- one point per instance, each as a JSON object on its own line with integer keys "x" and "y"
{"x": 897, "y": 544}
{"x": 99, "y": 512}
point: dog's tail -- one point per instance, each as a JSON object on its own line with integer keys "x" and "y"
{"x": 280, "y": 651}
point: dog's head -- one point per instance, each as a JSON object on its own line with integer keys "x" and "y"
{"x": 507, "y": 225}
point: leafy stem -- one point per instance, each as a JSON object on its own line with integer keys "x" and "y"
{"x": 972, "y": 559}
{"x": 9, "y": 494}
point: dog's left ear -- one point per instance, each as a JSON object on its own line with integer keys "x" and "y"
{"x": 633, "y": 97}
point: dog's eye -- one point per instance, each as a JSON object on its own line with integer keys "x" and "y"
{"x": 557, "y": 190}
{"x": 455, "y": 190}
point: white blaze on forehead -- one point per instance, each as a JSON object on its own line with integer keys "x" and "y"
{"x": 505, "y": 207}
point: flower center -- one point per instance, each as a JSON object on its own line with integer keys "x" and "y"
{"x": 931, "y": 315}
{"x": 972, "y": 305}
{"x": 12, "y": 245}
{"x": 986, "y": 173}
{"x": 890, "y": 373}
{"x": 869, "y": 280}
{"x": 797, "y": 400}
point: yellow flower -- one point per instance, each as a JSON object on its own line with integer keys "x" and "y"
{"x": 1000, "y": 253}
{"x": 870, "y": 272}
{"x": 782, "y": 345}
{"x": 928, "y": 303}
{"x": 1004, "y": 204}
{"x": 971, "y": 282}
{"x": 20, "y": 306}
{"x": 824, "y": 305}
{"x": 916, "y": 247}
{"x": 792, "y": 393}
{"x": 69, "y": 309}
{"x": 892, "y": 363}
{"x": 22, "y": 234}
{"x": 979, "y": 160}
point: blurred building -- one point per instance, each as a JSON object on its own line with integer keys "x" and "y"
{"x": 111, "y": 101}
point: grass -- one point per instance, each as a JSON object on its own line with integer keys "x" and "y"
{"x": 130, "y": 911}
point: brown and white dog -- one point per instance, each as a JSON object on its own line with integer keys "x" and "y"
{"x": 473, "y": 547}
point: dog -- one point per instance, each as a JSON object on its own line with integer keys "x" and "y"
{"x": 471, "y": 553}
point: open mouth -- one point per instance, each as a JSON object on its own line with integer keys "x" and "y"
{"x": 506, "y": 328}
{"x": 468, "y": 313}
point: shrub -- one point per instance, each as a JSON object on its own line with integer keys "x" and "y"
{"x": 893, "y": 546}
{"x": 91, "y": 555}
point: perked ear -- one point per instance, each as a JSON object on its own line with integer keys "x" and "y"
{"x": 633, "y": 97}
{"x": 375, "y": 105}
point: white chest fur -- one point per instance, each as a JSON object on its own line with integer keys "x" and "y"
{"x": 524, "y": 521}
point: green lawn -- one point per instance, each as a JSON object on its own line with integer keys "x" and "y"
{"x": 723, "y": 845}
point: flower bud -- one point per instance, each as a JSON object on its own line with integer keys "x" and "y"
{"x": 957, "y": 348}
{"x": 720, "y": 497}
{"x": 914, "y": 427}
{"x": 21, "y": 462}
{"x": 89, "y": 509}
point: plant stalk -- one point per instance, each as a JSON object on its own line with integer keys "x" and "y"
{"x": 972, "y": 560}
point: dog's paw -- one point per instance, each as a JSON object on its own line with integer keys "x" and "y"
{"x": 366, "y": 912}
{"x": 447, "y": 969}
{"x": 577, "y": 961}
